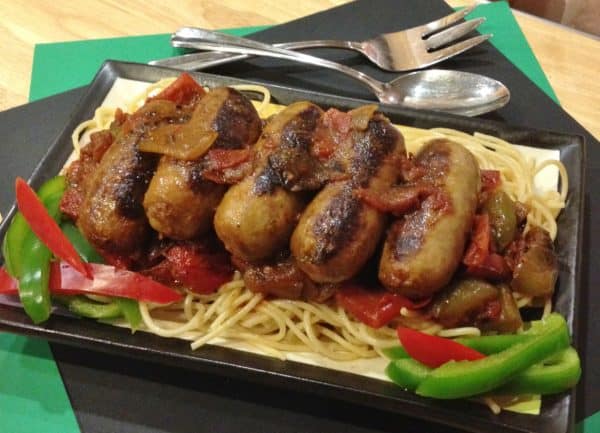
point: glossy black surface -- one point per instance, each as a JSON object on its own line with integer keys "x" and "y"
{"x": 557, "y": 411}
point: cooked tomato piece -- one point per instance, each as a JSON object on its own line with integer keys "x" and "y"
{"x": 374, "y": 308}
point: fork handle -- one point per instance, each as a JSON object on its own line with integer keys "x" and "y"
{"x": 189, "y": 37}
{"x": 203, "y": 60}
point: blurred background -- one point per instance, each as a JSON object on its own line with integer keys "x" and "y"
{"x": 583, "y": 15}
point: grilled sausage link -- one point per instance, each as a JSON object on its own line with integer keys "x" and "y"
{"x": 179, "y": 203}
{"x": 424, "y": 248}
{"x": 257, "y": 215}
{"x": 338, "y": 232}
{"x": 111, "y": 215}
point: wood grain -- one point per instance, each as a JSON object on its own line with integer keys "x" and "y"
{"x": 568, "y": 58}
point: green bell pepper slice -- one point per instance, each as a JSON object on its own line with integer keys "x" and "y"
{"x": 12, "y": 244}
{"x": 490, "y": 344}
{"x": 131, "y": 311}
{"x": 557, "y": 374}
{"x": 86, "y": 251}
{"x": 407, "y": 373}
{"x": 468, "y": 378}
{"x": 395, "y": 352}
{"x": 34, "y": 267}
{"x": 85, "y": 307}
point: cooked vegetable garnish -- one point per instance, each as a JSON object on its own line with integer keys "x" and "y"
{"x": 85, "y": 307}
{"x": 110, "y": 281}
{"x": 469, "y": 378}
{"x": 12, "y": 244}
{"x": 557, "y": 374}
{"x": 434, "y": 351}
{"x": 86, "y": 251}
{"x": 8, "y": 285}
{"x": 490, "y": 344}
{"x": 13, "y": 240}
{"x": 374, "y": 307}
{"x": 27, "y": 258}
{"x": 407, "y": 372}
{"x": 131, "y": 311}
{"x": 46, "y": 228}
{"x": 503, "y": 218}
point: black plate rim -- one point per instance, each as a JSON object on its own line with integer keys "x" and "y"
{"x": 265, "y": 370}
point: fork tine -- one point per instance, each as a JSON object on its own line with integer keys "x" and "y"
{"x": 452, "y": 50}
{"x": 446, "y": 21}
{"x": 452, "y": 33}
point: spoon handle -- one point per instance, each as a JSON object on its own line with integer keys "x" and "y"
{"x": 189, "y": 37}
{"x": 208, "y": 59}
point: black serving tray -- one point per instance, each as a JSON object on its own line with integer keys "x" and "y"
{"x": 557, "y": 411}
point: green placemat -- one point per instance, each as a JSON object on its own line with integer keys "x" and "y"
{"x": 62, "y": 66}
{"x": 32, "y": 395}
{"x": 35, "y": 391}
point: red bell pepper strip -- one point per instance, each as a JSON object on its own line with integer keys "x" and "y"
{"x": 181, "y": 91}
{"x": 434, "y": 351}
{"x": 374, "y": 308}
{"x": 109, "y": 281}
{"x": 8, "y": 284}
{"x": 46, "y": 229}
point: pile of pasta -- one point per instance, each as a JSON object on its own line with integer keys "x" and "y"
{"x": 279, "y": 327}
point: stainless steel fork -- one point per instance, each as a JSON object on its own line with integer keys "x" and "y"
{"x": 406, "y": 50}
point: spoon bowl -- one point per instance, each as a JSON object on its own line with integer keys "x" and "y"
{"x": 444, "y": 90}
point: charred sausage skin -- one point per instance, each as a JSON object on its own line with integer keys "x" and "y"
{"x": 179, "y": 203}
{"x": 338, "y": 232}
{"x": 423, "y": 249}
{"x": 111, "y": 215}
{"x": 256, "y": 216}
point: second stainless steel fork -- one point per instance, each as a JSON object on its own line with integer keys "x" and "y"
{"x": 406, "y": 50}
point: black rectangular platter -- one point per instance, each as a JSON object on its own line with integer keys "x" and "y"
{"x": 557, "y": 411}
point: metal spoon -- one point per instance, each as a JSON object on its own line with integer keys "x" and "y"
{"x": 440, "y": 90}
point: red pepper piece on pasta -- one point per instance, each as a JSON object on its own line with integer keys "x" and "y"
{"x": 109, "y": 281}
{"x": 434, "y": 351}
{"x": 46, "y": 229}
{"x": 181, "y": 91}
{"x": 374, "y": 308}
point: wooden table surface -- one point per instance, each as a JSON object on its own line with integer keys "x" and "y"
{"x": 570, "y": 59}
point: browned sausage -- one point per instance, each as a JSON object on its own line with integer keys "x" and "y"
{"x": 179, "y": 203}
{"x": 424, "y": 248}
{"x": 111, "y": 214}
{"x": 338, "y": 232}
{"x": 256, "y": 216}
